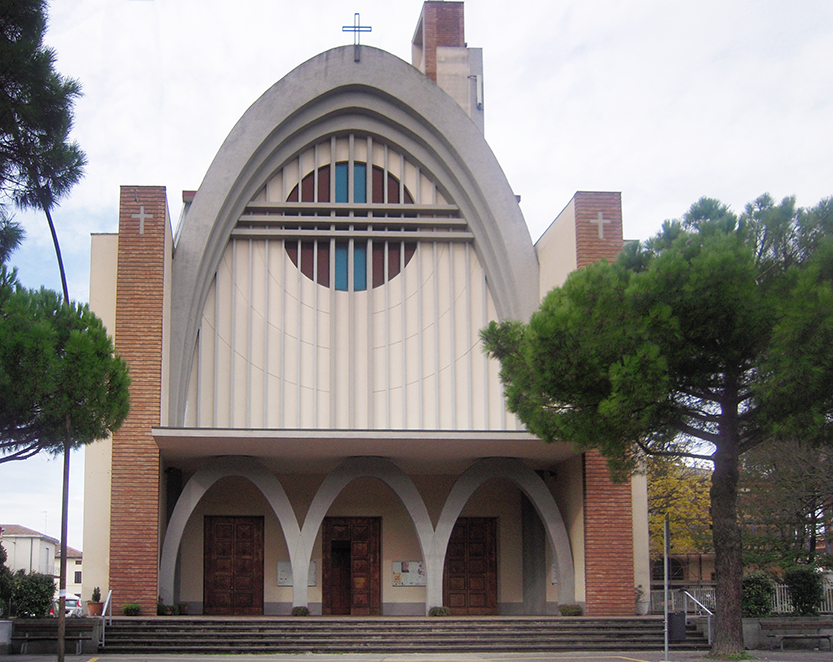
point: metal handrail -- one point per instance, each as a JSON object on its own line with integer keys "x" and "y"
{"x": 108, "y": 606}
{"x": 699, "y": 604}
{"x": 704, "y": 608}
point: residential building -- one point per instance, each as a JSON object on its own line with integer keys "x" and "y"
{"x": 75, "y": 569}
{"x": 29, "y": 550}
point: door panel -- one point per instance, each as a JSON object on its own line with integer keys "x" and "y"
{"x": 233, "y": 578}
{"x": 351, "y": 562}
{"x": 340, "y": 577}
{"x": 470, "y": 575}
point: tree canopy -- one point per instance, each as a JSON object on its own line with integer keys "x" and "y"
{"x": 680, "y": 490}
{"x": 786, "y": 503}
{"x": 39, "y": 163}
{"x": 11, "y": 234}
{"x": 702, "y": 341}
{"x": 57, "y": 368}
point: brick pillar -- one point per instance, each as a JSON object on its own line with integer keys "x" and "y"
{"x": 441, "y": 24}
{"x": 608, "y": 541}
{"x": 608, "y": 507}
{"x": 134, "y": 514}
{"x": 598, "y": 226}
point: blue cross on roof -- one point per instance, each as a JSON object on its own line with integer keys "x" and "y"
{"x": 357, "y": 28}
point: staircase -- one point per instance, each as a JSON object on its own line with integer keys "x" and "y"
{"x": 332, "y": 634}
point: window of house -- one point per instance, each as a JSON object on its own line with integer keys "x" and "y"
{"x": 676, "y": 571}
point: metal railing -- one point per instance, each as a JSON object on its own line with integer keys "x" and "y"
{"x": 781, "y": 603}
{"x": 698, "y": 599}
{"x": 695, "y": 600}
{"x": 704, "y": 608}
{"x": 105, "y": 619}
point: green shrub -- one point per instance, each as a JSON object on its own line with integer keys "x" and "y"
{"x": 96, "y": 595}
{"x": 757, "y": 594}
{"x": 131, "y": 609}
{"x": 32, "y": 594}
{"x": 570, "y": 610}
{"x": 439, "y": 611}
{"x": 300, "y": 611}
{"x": 806, "y": 590}
{"x": 6, "y": 584}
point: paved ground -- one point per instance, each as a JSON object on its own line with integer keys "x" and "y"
{"x": 650, "y": 656}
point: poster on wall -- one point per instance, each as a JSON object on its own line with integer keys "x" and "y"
{"x": 408, "y": 573}
{"x": 285, "y": 573}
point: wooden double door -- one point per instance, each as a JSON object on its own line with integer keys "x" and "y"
{"x": 351, "y": 560}
{"x": 233, "y": 571}
{"x": 351, "y": 566}
{"x": 470, "y": 574}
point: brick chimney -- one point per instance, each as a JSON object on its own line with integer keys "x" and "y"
{"x": 441, "y": 24}
{"x": 439, "y": 50}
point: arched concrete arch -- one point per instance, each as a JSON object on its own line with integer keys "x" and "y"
{"x": 195, "y": 489}
{"x": 384, "y": 96}
{"x": 530, "y": 484}
{"x": 357, "y": 467}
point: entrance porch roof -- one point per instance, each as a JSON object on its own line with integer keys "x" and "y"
{"x": 321, "y": 451}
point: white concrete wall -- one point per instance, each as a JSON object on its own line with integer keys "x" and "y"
{"x": 460, "y": 75}
{"x": 568, "y": 487}
{"x": 641, "y": 533}
{"x": 98, "y": 456}
{"x": 556, "y": 250}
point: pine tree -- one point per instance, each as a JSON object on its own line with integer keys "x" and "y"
{"x": 39, "y": 163}
{"x": 717, "y": 332}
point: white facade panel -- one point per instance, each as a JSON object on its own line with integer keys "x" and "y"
{"x": 279, "y": 349}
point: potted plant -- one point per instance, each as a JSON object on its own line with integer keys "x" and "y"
{"x": 643, "y": 603}
{"x": 162, "y": 609}
{"x": 94, "y": 605}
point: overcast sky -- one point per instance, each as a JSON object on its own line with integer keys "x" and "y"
{"x": 665, "y": 101}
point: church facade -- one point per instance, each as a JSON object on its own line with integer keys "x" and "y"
{"x": 313, "y": 420}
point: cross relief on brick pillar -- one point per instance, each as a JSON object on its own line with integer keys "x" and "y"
{"x": 598, "y": 226}
{"x": 600, "y": 221}
{"x": 142, "y": 216}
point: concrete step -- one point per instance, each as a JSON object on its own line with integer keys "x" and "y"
{"x": 389, "y": 635}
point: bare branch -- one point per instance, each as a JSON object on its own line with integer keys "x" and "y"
{"x": 655, "y": 453}
{"x": 680, "y": 426}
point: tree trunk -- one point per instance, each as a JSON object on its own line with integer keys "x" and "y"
{"x": 64, "y": 288}
{"x": 728, "y": 639}
{"x": 62, "y": 575}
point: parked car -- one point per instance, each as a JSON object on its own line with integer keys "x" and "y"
{"x": 73, "y": 607}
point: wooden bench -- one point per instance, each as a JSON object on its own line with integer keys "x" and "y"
{"x": 780, "y": 631}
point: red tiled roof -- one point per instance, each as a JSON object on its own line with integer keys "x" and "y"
{"x": 17, "y": 530}
{"x": 72, "y": 553}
